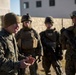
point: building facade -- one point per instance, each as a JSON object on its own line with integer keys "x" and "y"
{"x": 43, "y": 8}
{"x": 4, "y": 6}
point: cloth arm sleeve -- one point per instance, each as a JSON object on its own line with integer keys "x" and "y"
{"x": 7, "y": 64}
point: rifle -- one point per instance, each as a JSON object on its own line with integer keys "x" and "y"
{"x": 38, "y": 59}
{"x": 57, "y": 67}
{"x": 52, "y": 46}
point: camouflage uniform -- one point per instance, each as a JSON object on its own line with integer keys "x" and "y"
{"x": 49, "y": 39}
{"x": 68, "y": 41}
{"x": 9, "y": 54}
{"x": 22, "y": 37}
{"x": 9, "y": 64}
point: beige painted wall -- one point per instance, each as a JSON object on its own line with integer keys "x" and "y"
{"x": 4, "y": 6}
{"x": 38, "y": 23}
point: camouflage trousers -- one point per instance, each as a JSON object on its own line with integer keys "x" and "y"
{"x": 33, "y": 70}
{"x": 47, "y": 62}
{"x": 70, "y": 66}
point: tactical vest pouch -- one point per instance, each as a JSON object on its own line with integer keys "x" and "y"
{"x": 28, "y": 41}
{"x": 29, "y": 44}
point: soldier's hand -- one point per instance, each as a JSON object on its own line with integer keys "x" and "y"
{"x": 24, "y": 64}
{"x": 27, "y": 62}
{"x": 30, "y": 60}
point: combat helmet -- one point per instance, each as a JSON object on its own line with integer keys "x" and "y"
{"x": 73, "y": 14}
{"x": 49, "y": 19}
{"x": 26, "y": 17}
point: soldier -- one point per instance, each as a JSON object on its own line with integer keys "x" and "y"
{"x": 29, "y": 42}
{"x": 9, "y": 64}
{"x": 51, "y": 47}
{"x": 68, "y": 41}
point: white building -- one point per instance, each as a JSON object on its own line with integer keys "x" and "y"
{"x": 4, "y": 6}
{"x": 43, "y": 8}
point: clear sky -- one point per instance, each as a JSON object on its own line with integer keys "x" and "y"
{"x": 15, "y": 6}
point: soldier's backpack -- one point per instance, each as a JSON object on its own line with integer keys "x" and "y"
{"x": 28, "y": 40}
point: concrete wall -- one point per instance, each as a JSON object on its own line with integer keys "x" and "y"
{"x": 38, "y": 23}
{"x": 62, "y": 8}
{"x": 4, "y": 6}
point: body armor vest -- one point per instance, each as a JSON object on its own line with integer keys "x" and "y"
{"x": 27, "y": 40}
